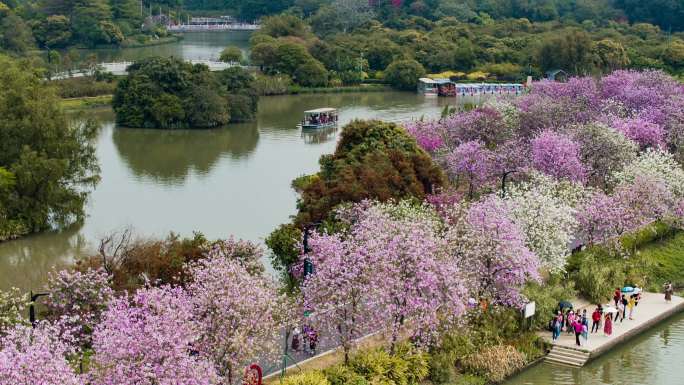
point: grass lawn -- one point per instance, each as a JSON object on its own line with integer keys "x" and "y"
{"x": 88, "y": 102}
{"x": 666, "y": 257}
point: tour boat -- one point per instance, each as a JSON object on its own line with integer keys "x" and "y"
{"x": 319, "y": 118}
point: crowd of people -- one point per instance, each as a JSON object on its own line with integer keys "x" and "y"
{"x": 625, "y": 305}
{"x": 603, "y": 317}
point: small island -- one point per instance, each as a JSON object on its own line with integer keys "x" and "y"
{"x": 169, "y": 93}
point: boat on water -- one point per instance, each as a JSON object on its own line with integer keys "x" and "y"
{"x": 446, "y": 87}
{"x": 319, "y": 118}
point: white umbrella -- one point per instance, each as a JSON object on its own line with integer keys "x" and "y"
{"x": 610, "y": 309}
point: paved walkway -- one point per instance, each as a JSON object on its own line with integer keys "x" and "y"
{"x": 651, "y": 309}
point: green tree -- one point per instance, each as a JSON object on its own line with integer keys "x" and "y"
{"x": 54, "y": 32}
{"x": 52, "y": 162}
{"x": 290, "y": 56}
{"x": 571, "y": 50}
{"x": 311, "y": 74}
{"x": 87, "y": 22}
{"x": 15, "y": 36}
{"x": 674, "y": 54}
{"x": 380, "y": 53}
{"x": 404, "y": 74}
{"x": 611, "y": 55}
{"x": 231, "y": 54}
{"x": 373, "y": 160}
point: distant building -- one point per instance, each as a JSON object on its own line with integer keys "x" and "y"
{"x": 557, "y": 75}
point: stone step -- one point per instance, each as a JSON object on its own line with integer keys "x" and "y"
{"x": 567, "y": 356}
{"x": 569, "y": 359}
{"x": 555, "y": 361}
{"x": 570, "y": 352}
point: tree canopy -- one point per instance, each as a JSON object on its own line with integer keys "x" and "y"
{"x": 170, "y": 93}
{"x": 46, "y": 161}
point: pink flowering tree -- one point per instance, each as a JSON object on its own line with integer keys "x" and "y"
{"x": 471, "y": 162}
{"x": 491, "y": 253}
{"x": 76, "y": 301}
{"x": 429, "y": 134}
{"x": 241, "y": 315}
{"x": 557, "y": 155}
{"x": 36, "y": 356}
{"x": 642, "y": 131}
{"x": 599, "y": 218}
{"x": 150, "y": 340}
{"x": 389, "y": 267}
{"x": 341, "y": 294}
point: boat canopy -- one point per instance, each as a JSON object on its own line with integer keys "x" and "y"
{"x": 320, "y": 111}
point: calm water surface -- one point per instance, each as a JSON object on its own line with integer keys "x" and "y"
{"x": 654, "y": 358}
{"x": 194, "y": 46}
{"x": 229, "y": 181}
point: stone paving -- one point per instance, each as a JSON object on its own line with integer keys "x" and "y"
{"x": 651, "y": 309}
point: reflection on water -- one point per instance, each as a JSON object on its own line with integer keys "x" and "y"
{"x": 169, "y": 158}
{"x": 654, "y": 358}
{"x": 319, "y": 135}
{"x": 232, "y": 180}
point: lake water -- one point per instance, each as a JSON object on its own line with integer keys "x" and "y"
{"x": 228, "y": 181}
{"x": 653, "y": 358}
{"x": 194, "y": 46}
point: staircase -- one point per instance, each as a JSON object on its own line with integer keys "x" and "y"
{"x": 567, "y": 356}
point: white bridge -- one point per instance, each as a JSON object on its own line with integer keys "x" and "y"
{"x": 121, "y": 68}
{"x": 212, "y": 27}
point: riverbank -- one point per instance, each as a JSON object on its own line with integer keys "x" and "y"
{"x": 106, "y": 100}
{"x": 652, "y": 310}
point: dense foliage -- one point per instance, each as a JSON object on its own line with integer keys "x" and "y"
{"x": 47, "y": 164}
{"x": 464, "y": 40}
{"x": 170, "y": 93}
{"x": 56, "y": 24}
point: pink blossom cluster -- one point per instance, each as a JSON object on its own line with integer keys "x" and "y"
{"x": 76, "y": 301}
{"x": 557, "y": 155}
{"x": 36, "y": 355}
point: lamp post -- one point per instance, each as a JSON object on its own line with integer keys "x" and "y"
{"x": 32, "y": 308}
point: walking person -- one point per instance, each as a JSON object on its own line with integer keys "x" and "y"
{"x": 631, "y": 305}
{"x": 668, "y": 292}
{"x": 557, "y": 325}
{"x": 624, "y": 303}
{"x": 577, "y": 327}
{"x": 569, "y": 320}
{"x": 608, "y": 325}
{"x": 595, "y": 320}
{"x": 585, "y": 334}
{"x": 616, "y": 296}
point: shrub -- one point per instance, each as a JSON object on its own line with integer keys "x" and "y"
{"x": 272, "y": 85}
{"x": 313, "y": 377}
{"x": 442, "y": 368}
{"x": 495, "y": 363}
{"x": 84, "y": 87}
{"x": 311, "y": 74}
{"x": 343, "y": 375}
{"x": 530, "y": 345}
{"x": 416, "y": 361}
{"x": 12, "y": 305}
{"x": 404, "y": 74}
{"x": 598, "y": 276}
{"x": 547, "y": 296}
{"x": 378, "y": 366}
{"x": 231, "y": 54}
